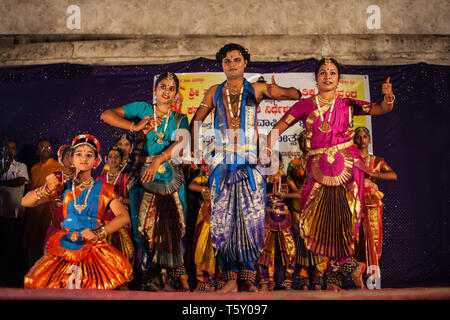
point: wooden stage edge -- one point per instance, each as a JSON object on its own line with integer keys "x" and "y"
{"x": 419, "y": 293}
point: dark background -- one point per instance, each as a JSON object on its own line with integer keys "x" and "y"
{"x": 59, "y": 101}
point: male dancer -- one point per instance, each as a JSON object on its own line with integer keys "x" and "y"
{"x": 236, "y": 182}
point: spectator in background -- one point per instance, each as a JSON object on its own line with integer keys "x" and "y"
{"x": 13, "y": 177}
{"x": 38, "y": 219}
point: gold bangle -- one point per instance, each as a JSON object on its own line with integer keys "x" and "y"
{"x": 41, "y": 192}
{"x": 101, "y": 233}
{"x": 391, "y": 101}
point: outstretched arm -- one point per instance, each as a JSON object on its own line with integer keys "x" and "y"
{"x": 43, "y": 194}
{"x": 116, "y": 118}
{"x": 275, "y": 92}
{"x": 387, "y": 104}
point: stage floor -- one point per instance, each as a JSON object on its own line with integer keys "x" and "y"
{"x": 433, "y": 293}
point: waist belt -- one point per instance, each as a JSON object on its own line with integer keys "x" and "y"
{"x": 331, "y": 150}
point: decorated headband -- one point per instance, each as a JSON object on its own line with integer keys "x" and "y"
{"x": 61, "y": 151}
{"x": 169, "y": 76}
{"x": 328, "y": 61}
{"x": 363, "y": 129}
{"x": 89, "y": 140}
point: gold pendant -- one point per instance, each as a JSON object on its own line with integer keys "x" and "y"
{"x": 80, "y": 207}
{"x": 160, "y": 141}
{"x": 235, "y": 122}
{"x": 162, "y": 169}
{"x": 325, "y": 127}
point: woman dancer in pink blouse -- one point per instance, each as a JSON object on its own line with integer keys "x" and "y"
{"x": 332, "y": 199}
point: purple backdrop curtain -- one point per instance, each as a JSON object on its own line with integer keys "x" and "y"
{"x": 59, "y": 101}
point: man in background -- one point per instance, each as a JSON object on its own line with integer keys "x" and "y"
{"x": 13, "y": 177}
{"x": 37, "y": 219}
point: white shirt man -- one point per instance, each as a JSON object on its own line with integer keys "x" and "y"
{"x": 13, "y": 177}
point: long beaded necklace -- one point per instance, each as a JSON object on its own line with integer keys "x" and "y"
{"x": 161, "y": 135}
{"x": 235, "y": 120}
{"x": 325, "y": 126}
{"x": 81, "y": 207}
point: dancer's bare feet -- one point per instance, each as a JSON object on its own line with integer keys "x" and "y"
{"x": 152, "y": 288}
{"x": 305, "y": 288}
{"x": 317, "y": 287}
{"x": 201, "y": 287}
{"x": 248, "y": 286}
{"x": 210, "y": 289}
{"x": 264, "y": 288}
{"x": 168, "y": 288}
{"x": 184, "y": 283}
{"x": 357, "y": 275}
{"x": 229, "y": 286}
{"x": 286, "y": 285}
{"x": 333, "y": 287}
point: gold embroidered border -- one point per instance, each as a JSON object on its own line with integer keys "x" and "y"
{"x": 146, "y": 223}
{"x": 333, "y": 181}
{"x": 356, "y": 209}
{"x": 176, "y": 197}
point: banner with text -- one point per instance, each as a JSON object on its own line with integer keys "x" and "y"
{"x": 193, "y": 86}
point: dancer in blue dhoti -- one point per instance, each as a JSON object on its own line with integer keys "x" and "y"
{"x": 236, "y": 179}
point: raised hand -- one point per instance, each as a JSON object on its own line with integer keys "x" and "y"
{"x": 142, "y": 124}
{"x": 53, "y": 183}
{"x": 273, "y": 88}
{"x": 387, "y": 88}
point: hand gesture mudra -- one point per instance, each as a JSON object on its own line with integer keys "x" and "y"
{"x": 142, "y": 124}
{"x": 386, "y": 89}
{"x": 54, "y": 184}
{"x": 273, "y": 88}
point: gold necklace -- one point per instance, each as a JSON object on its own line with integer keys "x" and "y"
{"x": 112, "y": 175}
{"x": 81, "y": 207}
{"x": 234, "y": 90}
{"x": 161, "y": 135}
{"x": 366, "y": 159}
{"x": 235, "y": 120}
{"x": 325, "y": 125}
{"x": 326, "y": 101}
{"x": 84, "y": 183}
{"x": 162, "y": 113}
